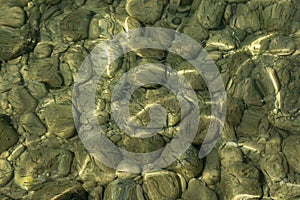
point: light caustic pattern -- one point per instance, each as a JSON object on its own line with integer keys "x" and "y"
{"x": 94, "y": 139}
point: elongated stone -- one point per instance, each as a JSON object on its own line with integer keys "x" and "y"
{"x": 282, "y": 46}
{"x": 6, "y": 172}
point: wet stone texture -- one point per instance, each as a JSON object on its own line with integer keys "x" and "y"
{"x": 255, "y": 45}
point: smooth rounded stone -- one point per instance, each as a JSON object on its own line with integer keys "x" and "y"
{"x": 278, "y": 16}
{"x": 194, "y": 30}
{"x": 142, "y": 145}
{"x": 75, "y": 25}
{"x": 15, "y": 42}
{"x": 43, "y": 50}
{"x": 61, "y": 190}
{"x": 246, "y": 18}
{"x": 197, "y": 190}
{"x": 145, "y": 11}
{"x": 274, "y": 167}
{"x": 162, "y": 185}
{"x": 240, "y": 181}
{"x": 59, "y": 119}
{"x": 230, "y": 155}
{"x": 32, "y": 124}
{"x": 291, "y": 150}
{"x": 37, "y": 166}
{"x": 124, "y": 168}
{"x": 6, "y": 172}
{"x": 282, "y": 46}
{"x": 103, "y": 26}
{"x": 210, "y": 13}
{"x": 122, "y": 189}
{"x": 188, "y": 164}
{"x": 12, "y": 16}
{"x": 37, "y": 89}
{"x": 220, "y": 40}
{"x": 21, "y": 100}
{"x": 45, "y": 70}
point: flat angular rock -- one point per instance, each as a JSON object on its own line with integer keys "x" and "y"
{"x": 188, "y": 164}
{"x": 37, "y": 89}
{"x": 75, "y": 25}
{"x": 15, "y": 42}
{"x": 274, "y": 167}
{"x": 46, "y": 70}
{"x": 246, "y": 18}
{"x": 21, "y": 100}
{"x": 59, "y": 119}
{"x": 210, "y": 13}
{"x": 32, "y": 124}
{"x": 194, "y": 30}
{"x": 37, "y": 166}
{"x": 240, "y": 181}
{"x": 197, "y": 190}
{"x": 277, "y": 17}
{"x": 88, "y": 168}
{"x": 230, "y": 155}
{"x": 8, "y": 135}
{"x": 169, "y": 186}
{"x": 253, "y": 123}
{"x": 291, "y": 148}
{"x": 145, "y": 11}
{"x": 9, "y": 77}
